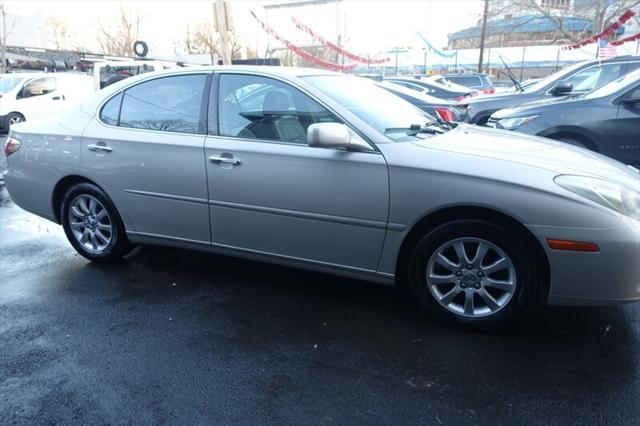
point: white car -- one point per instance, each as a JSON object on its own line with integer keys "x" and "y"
{"x": 31, "y": 96}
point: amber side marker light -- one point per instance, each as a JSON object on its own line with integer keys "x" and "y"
{"x": 572, "y": 245}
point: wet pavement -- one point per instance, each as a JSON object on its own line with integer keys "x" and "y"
{"x": 176, "y": 336}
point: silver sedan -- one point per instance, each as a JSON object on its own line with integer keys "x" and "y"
{"x": 329, "y": 172}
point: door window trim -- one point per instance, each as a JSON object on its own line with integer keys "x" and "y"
{"x": 217, "y": 134}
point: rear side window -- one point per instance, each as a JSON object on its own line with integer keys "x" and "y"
{"x": 170, "y": 104}
{"x": 110, "y": 113}
{"x": 467, "y": 81}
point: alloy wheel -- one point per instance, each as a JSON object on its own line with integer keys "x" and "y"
{"x": 90, "y": 223}
{"x": 471, "y": 277}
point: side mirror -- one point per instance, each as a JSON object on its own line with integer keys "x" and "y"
{"x": 334, "y": 135}
{"x": 562, "y": 88}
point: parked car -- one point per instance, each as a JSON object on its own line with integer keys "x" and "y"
{"x": 577, "y": 79}
{"x": 435, "y": 107}
{"x": 109, "y": 72}
{"x": 606, "y": 120}
{"x": 476, "y": 81}
{"x": 28, "y": 96}
{"x": 432, "y": 88}
{"x": 331, "y": 172}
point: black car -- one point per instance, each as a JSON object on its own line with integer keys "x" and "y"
{"x": 437, "y": 108}
{"x": 432, "y": 88}
{"x": 476, "y": 81}
{"x": 606, "y": 120}
{"x": 576, "y": 79}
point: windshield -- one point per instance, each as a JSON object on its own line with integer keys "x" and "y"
{"x": 7, "y": 83}
{"x": 380, "y": 109}
{"x": 553, "y": 77}
{"x": 616, "y": 85}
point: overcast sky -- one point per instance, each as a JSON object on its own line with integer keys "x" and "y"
{"x": 370, "y": 27}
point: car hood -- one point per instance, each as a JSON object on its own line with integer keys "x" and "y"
{"x": 532, "y": 151}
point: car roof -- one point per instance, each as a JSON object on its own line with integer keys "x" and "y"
{"x": 262, "y": 69}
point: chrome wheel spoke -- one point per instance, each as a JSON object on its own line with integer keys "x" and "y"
{"x": 101, "y": 237}
{"x": 480, "y": 254}
{"x": 495, "y": 266}
{"x": 101, "y": 214}
{"x": 85, "y": 236}
{"x": 461, "y": 252}
{"x": 500, "y": 285}
{"x": 92, "y": 206}
{"x": 76, "y": 225}
{"x": 448, "y": 298}
{"x": 469, "y": 307}
{"x": 441, "y": 279}
{"x": 489, "y": 300}
{"x": 445, "y": 262}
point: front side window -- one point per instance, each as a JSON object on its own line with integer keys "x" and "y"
{"x": 252, "y": 107}
{"x": 38, "y": 87}
{"x": 170, "y": 104}
{"x": 595, "y": 77}
{"x": 466, "y": 81}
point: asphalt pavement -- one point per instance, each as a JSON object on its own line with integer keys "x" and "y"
{"x": 183, "y": 337}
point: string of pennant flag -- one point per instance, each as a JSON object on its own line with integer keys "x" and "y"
{"x": 609, "y": 31}
{"x": 328, "y": 44}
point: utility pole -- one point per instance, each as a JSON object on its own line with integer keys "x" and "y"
{"x": 3, "y": 53}
{"x": 483, "y": 33}
{"x": 223, "y": 23}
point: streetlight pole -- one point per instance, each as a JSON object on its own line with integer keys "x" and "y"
{"x": 483, "y": 33}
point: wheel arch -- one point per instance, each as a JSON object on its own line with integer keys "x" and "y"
{"x": 61, "y": 187}
{"x": 448, "y": 214}
{"x": 571, "y": 133}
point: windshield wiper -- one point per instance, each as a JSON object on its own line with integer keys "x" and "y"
{"x": 414, "y": 129}
{"x": 511, "y": 76}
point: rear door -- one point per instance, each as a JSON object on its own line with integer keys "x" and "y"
{"x": 146, "y": 150}
{"x": 272, "y": 193}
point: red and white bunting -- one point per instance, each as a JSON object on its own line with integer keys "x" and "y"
{"x": 606, "y": 33}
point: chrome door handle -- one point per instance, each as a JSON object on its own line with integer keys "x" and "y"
{"x": 224, "y": 160}
{"x": 99, "y": 148}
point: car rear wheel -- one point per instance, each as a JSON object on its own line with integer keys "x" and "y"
{"x": 474, "y": 275}
{"x": 13, "y": 118}
{"x": 92, "y": 224}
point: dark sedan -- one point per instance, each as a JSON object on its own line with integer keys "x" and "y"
{"x": 576, "y": 79}
{"x": 439, "y": 108}
{"x": 433, "y": 88}
{"x": 606, "y": 120}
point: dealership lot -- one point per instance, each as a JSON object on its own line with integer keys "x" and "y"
{"x": 177, "y": 336}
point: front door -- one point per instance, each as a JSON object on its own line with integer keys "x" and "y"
{"x": 272, "y": 193}
{"x": 627, "y": 140}
{"x": 146, "y": 149}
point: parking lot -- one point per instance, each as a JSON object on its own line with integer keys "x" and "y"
{"x": 176, "y": 336}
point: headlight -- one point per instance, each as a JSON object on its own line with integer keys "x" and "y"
{"x": 512, "y": 123}
{"x": 611, "y": 195}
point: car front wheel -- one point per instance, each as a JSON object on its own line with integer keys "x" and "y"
{"x": 92, "y": 224}
{"x": 475, "y": 275}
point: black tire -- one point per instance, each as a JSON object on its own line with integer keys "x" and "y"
{"x": 527, "y": 298}
{"x": 12, "y": 117}
{"x": 118, "y": 245}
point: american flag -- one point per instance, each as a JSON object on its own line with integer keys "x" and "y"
{"x": 606, "y": 50}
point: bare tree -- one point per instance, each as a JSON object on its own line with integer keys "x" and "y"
{"x": 118, "y": 37}
{"x": 205, "y": 40}
{"x": 558, "y": 11}
{"x": 59, "y": 33}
